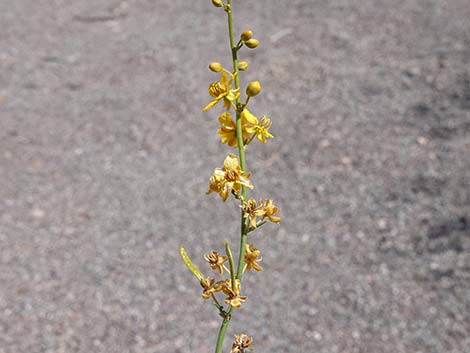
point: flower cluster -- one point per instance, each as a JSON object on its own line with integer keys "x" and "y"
{"x": 232, "y": 292}
{"x": 251, "y": 127}
{"x": 263, "y": 209}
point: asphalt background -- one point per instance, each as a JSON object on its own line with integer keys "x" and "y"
{"x": 105, "y": 157}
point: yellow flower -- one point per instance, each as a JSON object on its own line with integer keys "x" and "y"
{"x": 235, "y": 300}
{"x": 251, "y": 120}
{"x": 227, "y": 286}
{"x": 229, "y": 177}
{"x": 241, "y": 343}
{"x": 261, "y": 129}
{"x": 228, "y": 129}
{"x": 258, "y": 128}
{"x": 270, "y": 211}
{"x": 264, "y": 209}
{"x": 252, "y": 210}
{"x": 217, "y": 183}
{"x": 222, "y": 90}
{"x": 233, "y": 296}
{"x": 216, "y": 261}
{"x": 251, "y": 258}
{"x": 210, "y": 287}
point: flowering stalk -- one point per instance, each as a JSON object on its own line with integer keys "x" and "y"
{"x": 233, "y": 180}
{"x": 241, "y": 154}
{"x": 241, "y": 145}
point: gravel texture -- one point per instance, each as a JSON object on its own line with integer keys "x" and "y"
{"x": 105, "y": 156}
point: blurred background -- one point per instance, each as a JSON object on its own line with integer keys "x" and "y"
{"x": 105, "y": 157}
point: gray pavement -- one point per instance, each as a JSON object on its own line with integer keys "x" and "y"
{"x": 105, "y": 156}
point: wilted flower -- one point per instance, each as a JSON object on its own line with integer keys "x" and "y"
{"x": 216, "y": 261}
{"x": 229, "y": 177}
{"x": 252, "y": 258}
{"x": 235, "y": 300}
{"x": 270, "y": 211}
{"x": 233, "y": 295}
{"x": 210, "y": 287}
{"x": 252, "y": 210}
{"x": 241, "y": 343}
{"x": 265, "y": 209}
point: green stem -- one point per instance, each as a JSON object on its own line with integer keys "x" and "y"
{"x": 241, "y": 153}
{"x": 232, "y": 266}
{"x": 216, "y": 303}
{"x": 258, "y": 225}
{"x": 241, "y": 145}
{"x": 241, "y": 258}
{"x": 221, "y": 336}
{"x": 223, "y": 330}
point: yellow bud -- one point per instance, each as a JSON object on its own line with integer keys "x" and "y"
{"x": 243, "y": 65}
{"x": 246, "y": 35}
{"x": 253, "y": 89}
{"x": 215, "y": 67}
{"x": 252, "y": 43}
{"x": 217, "y": 3}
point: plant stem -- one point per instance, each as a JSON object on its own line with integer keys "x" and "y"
{"x": 222, "y": 331}
{"x": 241, "y": 154}
{"x": 217, "y": 304}
{"x": 241, "y": 145}
{"x": 232, "y": 266}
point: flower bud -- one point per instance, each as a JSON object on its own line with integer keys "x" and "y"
{"x": 253, "y": 89}
{"x": 215, "y": 67}
{"x": 252, "y": 43}
{"x": 246, "y": 35}
{"x": 217, "y": 3}
{"x": 243, "y": 65}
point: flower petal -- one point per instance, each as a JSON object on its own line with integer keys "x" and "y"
{"x": 210, "y": 105}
